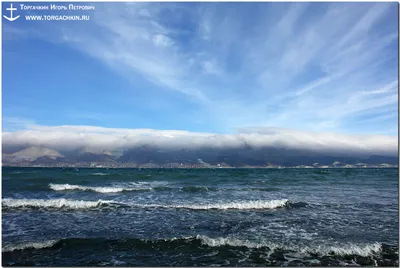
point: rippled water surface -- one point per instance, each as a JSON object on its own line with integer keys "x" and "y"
{"x": 203, "y": 217}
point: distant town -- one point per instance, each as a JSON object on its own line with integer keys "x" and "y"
{"x": 192, "y": 165}
{"x": 145, "y": 157}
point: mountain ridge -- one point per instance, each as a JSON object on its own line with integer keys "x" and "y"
{"x": 181, "y": 157}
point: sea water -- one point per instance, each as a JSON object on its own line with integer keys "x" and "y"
{"x": 199, "y": 217}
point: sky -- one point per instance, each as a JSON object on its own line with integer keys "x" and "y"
{"x": 205, "y": 68}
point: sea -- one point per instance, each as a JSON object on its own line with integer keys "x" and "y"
{"x": 199, "y": 217}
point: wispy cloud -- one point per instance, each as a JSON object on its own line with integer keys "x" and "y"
{"x": 392, "y": 87}
{"x": 211, "y": 67}
{"x": 307, "y": 66}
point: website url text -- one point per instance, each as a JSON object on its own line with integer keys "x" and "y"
{"x": 57, "y": 17}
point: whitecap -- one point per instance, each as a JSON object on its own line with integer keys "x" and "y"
{"x": 26, "y": 245}
{"x": 80, "y": 204}
{"x": 271, "y": 204}
{"x": 99, "y": 189}
{"x": 53, "y": 203}
{"x": 344, "y": 249}
{"x": 348, "y": 249}
{"x": 227, "y": 241}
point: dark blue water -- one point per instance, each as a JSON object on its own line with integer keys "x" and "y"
{"x": 203, "y": 217}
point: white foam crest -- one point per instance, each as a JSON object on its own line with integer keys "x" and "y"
{"x": 99, "y": 189}
{"x": 52, "y": 203}
{"x": 271, "y": 204}
{"x": 227, "y": 241}
{"x": 99, "y": 174}
{"x": 346, "y": 249}
{"x": 349, "y": 249}
{"x": 36, "y": 245}
{"x": 148, "y": 183}
{"x": 80, "y": 204}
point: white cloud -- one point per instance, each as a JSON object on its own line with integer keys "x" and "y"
{"x": 317, "y": 83}
{"x": 144, "y": 12}
{"x": 205, "y": 30}
{"x": 385, "y": 89}
{"x": 162, "y": 40}
{"x": 360, "y": 29}
{"x": 309, "y": 66}
{"x": 137, "y": 44}
{"x": 70, "y": 138}
{"x": 211, "y": 67}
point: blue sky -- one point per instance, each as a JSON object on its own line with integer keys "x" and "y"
{"x": 206, "y": 67}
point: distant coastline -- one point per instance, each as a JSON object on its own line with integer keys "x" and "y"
{"x": 194, "y": 166}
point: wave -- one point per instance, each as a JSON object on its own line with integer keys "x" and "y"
{"x": 80, "y": 204}
{"x": 133, "y": 186}
{"x": 99, "y": 189}
{"x": 350, "y": 249}
{"x": 342, "y": 250}
{"x": 223, "y": 241}
{"x": 87, "y": 242}
{"x": 271, "y": 204}
{"x": 55, "y": 203}
{"x": 100, "y": 174}
{"x": 148, "y": 186}
{"x": 192, "y": 242}
{"x": 29, "y": 245}
{"x": 200, "y": 188}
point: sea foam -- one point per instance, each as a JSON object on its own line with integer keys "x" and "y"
{"x": 80, "y": 204}
{"x": 364, "y": 250}
{"x": 53, "y": 203}
{"x": 27, "y": 245}
{"x": 226, "y": 241}
{"x": 66, "y": 187}
{"x": 345, "y": 249}
{"x": 348, "y": 249}
{"x": 271, "y": 204}
{"x": 99, "y": 189}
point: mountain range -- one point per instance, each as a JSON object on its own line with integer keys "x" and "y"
{"x": 232, "y": 157}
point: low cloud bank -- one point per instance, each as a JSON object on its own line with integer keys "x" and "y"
{"x": 77, "y": 139}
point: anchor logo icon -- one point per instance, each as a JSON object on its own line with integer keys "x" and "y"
{"x": 11, "y": 18}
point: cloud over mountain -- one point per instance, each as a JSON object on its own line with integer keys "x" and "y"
{"x": 252, "y": 146}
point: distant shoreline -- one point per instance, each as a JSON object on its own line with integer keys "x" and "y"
{"x": 295, "y": 167}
